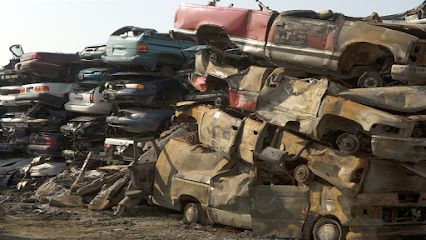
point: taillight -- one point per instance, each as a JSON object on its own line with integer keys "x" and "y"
{"x": 140, "y": 86}
{"x": 21, "y": 90}
{"x": 106, "y": 147}
{"x": 41, "y": 88}
{"x": 142, "y": 48}
{"x": 50, "y": 142}
{"x": 91, "y": 97}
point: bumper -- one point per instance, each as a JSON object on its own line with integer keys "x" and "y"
{"x": 409, "y": 74}
{"x": 387, "y": 232}
{"x": 142, "y": 96}
{"x": 8, "y": 100}
{"x": 94, "y": 108}
{"x": 401, "y": 149}
{"x": 45, "y": 150}
{"x": 44, "y": 98}
{"x": 132, "y": 126}
{"x": 146, "y": 60}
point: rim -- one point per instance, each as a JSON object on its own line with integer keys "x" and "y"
{"x": 191, "y": 213}
{"x": 329, "y": 230}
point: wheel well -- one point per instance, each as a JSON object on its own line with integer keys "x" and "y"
{"x": 363, "y": 54}
{"x": 338, "y": 124}
{"x": 214, "y": 35}
{"x": 185, "y": 199}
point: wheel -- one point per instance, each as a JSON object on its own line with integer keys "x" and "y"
{"x": 303, "y": 174}
{"x": 328, "y": 229}
{"x": 193, "y": 213}
{"x": 370, "y": 80}
{"x": 348, "y": 143}
{"x": 215, "y": 58}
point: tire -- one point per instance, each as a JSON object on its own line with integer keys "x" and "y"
{"x": 370, "y": 80}
{"x": 194, "y": 213}
{"x": 328, "y": 229}
{"x": 348, "y": 143}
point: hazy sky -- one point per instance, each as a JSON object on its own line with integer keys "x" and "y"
{"x": 69, "y": 25}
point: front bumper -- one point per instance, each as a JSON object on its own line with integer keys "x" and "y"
{"x": 400, "y": 149}
{"x": 410, "y": 74}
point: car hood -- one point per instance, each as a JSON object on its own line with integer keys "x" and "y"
{"x": 418, "y": 30}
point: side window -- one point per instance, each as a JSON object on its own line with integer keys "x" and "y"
{"x": 305, "y": 32}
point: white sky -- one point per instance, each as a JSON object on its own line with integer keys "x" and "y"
{"x": 69, "y": 25}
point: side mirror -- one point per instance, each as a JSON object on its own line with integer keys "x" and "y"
{"x": 16, "y": 50}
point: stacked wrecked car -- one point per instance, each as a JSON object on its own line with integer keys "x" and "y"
{"x": 296, "y": 125}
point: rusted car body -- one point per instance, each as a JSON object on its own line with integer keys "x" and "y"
{"x": 281, "y": 184}
{"x": 323, "y": 43}
{"x": 61, "y": 66}
{"x": 325, "y": 110}
{"x": 415, "y": 15}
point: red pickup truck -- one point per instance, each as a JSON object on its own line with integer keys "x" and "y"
{"x": 365, "y": 52}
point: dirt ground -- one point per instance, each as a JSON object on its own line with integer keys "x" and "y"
{"x": 26, "y": 220}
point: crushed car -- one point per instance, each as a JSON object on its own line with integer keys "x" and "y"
{"x": 277, "y": 183}
{"x": 141, "y": 89}
{"x": 365, "y": 53}
{"x": 140, "y": 120}
{"x": 57, "y": 66}
{"x": 144, "y": 47}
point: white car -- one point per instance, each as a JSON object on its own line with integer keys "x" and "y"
{"x": 90, "y": 102}
{"x": 56, "y": 89}
{"x": 53, "y": 94}
{"x": 8, "y": 95}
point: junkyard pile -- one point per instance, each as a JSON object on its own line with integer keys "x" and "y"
{"x": 297, "y": 125}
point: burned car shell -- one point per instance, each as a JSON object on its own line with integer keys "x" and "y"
{"x": 331, "y": 44}
{"x": 361, "y": 197}
{"x": 311, "y": 104}
{"x": 140, "y": 120}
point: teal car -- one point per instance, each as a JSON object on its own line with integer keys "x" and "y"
{"x": 146, "y": 49}
{"x": 93, "y": 53}
{"x": 96, "y": 75}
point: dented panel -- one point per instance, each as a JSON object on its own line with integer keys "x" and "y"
{"x": 289, "y": 100}
{"x": 219, "y": 130}
{"x": 251, "y": 142}
{"x": 279, "y": 211}
{"x": 407, "y": 99}
{"x": 178, "y": 167}
{"x": 365, "y": 116}
{"x": 401, "y": 149}
{"x": 344, "y": 172}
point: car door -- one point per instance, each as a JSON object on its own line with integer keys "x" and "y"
{"x": 303, "y": 41}
{"x": 279, "y": 209}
